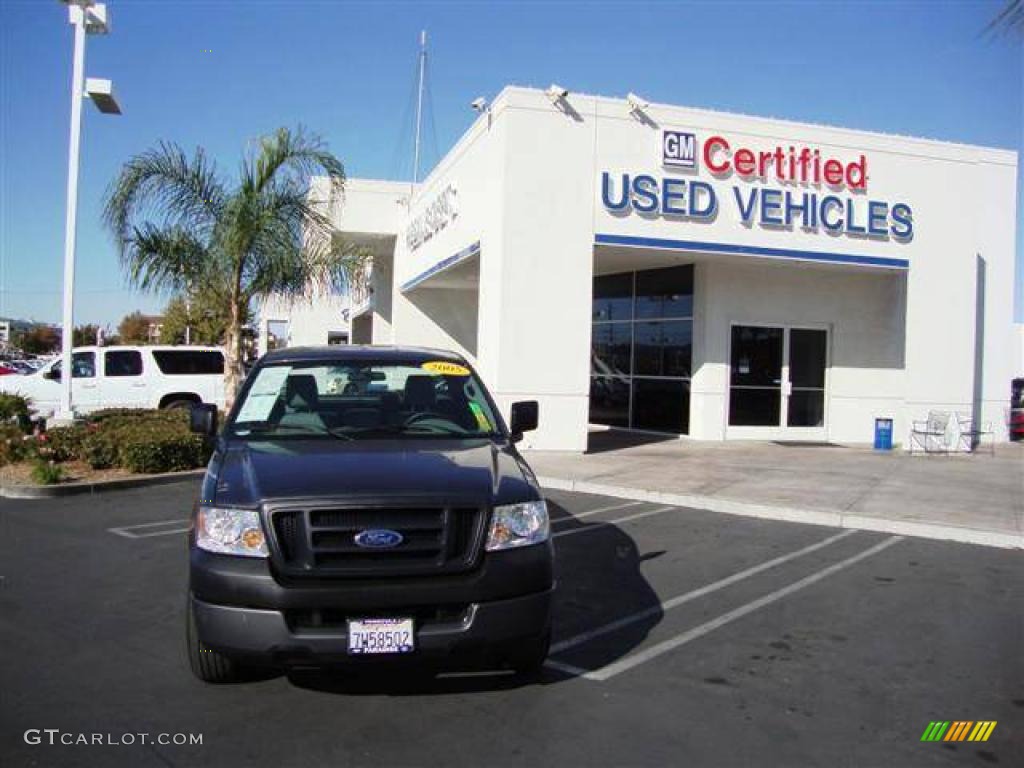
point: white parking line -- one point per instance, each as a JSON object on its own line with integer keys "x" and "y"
{"x": 605, "y": 523}
{"x": 623, "y": 665}
{"x": 707, "y": 589}
{"x": 590, "y": 512}
{"x": 128, "y": 530}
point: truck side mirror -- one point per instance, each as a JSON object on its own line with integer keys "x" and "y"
{"x": 53, "y": 374}
{"x": 203, "y": 419}
{"x": 524, "y": 418}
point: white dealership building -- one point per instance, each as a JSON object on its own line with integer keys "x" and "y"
{"x": 699, "y": 273}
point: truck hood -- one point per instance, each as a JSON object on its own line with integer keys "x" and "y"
{"x": 247, "y": 474}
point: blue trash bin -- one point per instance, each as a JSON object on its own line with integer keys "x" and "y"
{"x": 883, "y": 434}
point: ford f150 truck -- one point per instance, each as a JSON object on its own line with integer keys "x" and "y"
{"x": 367, "y": 506}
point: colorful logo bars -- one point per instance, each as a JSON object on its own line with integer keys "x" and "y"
{"x": 958, "y": 730}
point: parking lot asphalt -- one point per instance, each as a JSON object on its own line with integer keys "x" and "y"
{"x": 682, "y": 637}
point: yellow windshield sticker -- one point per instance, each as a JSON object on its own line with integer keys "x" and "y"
{"x": 481, "y": 418}
{"x": 445, "y": 369}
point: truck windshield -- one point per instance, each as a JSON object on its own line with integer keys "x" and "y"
{"x": 364, "y": 400}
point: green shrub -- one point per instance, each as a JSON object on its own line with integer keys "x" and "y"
{"x": 62, "y": 443}
{"x": 168, "y": 452}
{"x": 14, "y": 408}
{"x": 100, "y": 449}
{"x": 141, "y": 441}
{"x": 13, "y": 444}
{"x": 46, "y": 472}
{"x": 138, "y": 416}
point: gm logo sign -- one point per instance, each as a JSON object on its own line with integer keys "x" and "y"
{"x": 679, "y": 149}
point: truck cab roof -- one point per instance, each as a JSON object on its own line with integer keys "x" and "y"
{"x": 359, "y": 352}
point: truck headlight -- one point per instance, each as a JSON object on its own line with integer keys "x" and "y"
{"x": 230, "y": 532}
{"x": 518, "y": 525}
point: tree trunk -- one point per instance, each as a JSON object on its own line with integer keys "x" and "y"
{"x": 232, "y": 357}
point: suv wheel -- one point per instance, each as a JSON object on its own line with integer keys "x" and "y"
{"x": 177, "y": 405}
{"x": 528, "y": 660}
{"x": 207, "y": 664}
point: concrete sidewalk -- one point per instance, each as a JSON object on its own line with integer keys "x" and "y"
{"x": 977, "y": 499}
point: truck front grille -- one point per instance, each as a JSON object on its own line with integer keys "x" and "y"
{"x": 322, "y": 541}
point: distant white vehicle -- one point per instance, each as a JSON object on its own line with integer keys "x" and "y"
{"x": 126, "y": 377}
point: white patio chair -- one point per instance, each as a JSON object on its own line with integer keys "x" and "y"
{"x": 931, "y": 435}
{"x": 971, "y": 436}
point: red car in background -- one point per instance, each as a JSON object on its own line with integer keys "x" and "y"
{"x": 4, "y": 370}
{"x": 1016, "y": 424}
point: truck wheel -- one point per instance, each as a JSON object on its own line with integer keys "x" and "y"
{"x": 178, "y": 405}
{"x": 528, "y": 660}
{"x": 207, "y": 664}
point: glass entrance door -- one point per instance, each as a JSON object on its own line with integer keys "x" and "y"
{"x": 777, "y": 381}
{"x": 805, "y": 401}
{"x": 755, "y": 386}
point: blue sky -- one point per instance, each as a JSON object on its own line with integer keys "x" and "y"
{"x": 346, "y": 70}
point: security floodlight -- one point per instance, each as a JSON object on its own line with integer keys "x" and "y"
{"x": 102, "y": 94}
{"x": 96, "y": 19}
{"x": 95, "y": 14}
{"x": 636, "y": 104}
{"x": 556, "y": 93}
{"x": 479, "y": 104}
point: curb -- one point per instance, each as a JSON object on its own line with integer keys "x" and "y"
{"x": 97, "y": 486}
{"x": 793, "y": 514}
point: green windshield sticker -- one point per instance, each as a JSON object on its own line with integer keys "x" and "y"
{"x": 481, "y": 417}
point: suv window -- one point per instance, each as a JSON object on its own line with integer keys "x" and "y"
{"x": 182, "y": 362}
{"x": 83, "y": 365}
{"x": 126, "y": 362}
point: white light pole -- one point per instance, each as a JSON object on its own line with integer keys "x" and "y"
{"x": 86, "y": 17}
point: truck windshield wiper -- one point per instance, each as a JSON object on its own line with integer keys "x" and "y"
{"x": 269, "y": 429}
{"x": 413, "y": 430}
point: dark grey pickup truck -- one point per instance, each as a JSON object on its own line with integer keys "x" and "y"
{"x": 367, "y": 507}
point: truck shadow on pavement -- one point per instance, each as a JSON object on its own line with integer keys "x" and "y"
{"x": 599, "y": 581}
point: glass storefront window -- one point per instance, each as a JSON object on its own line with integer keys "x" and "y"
{"x": 661, "y": 405}
{"x": 663, "y": 348}
{"x": 613, "y": 297}
{"x": 610, "y": 349}
{"x": 609, "y": 401}
{"x": 665, "y": 292}
{"x": 641, "y": 349}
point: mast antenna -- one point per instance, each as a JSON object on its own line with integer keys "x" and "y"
{"x": 419, "y": 108}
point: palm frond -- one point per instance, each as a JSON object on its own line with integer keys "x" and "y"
{"x": 297, "y": 154}
{"x": 164, "y": 183}
{"x": 1010, "y": 20}
{"x": 164, "y": 259}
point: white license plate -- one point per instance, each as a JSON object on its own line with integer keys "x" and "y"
{"x": 367, "y": 636}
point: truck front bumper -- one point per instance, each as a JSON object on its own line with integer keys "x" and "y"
{"x": 242, "y": 609}
{"x": 485, "y": 631}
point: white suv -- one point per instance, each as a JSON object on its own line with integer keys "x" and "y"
{"x": 126, "y": 377}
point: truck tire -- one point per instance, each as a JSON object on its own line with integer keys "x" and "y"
{"x": 177, "y": 404}
{"x": 528, "y": 660}
{"x": 207, "y": 664}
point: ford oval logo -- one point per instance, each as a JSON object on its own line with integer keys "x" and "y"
{"x": 378, "y": 538}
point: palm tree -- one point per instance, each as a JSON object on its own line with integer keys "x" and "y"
{"x": 1009, "y": 20}
{"x": 178, "y": 224}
